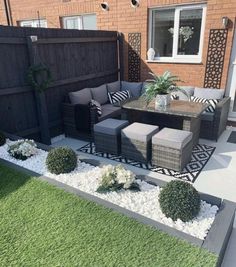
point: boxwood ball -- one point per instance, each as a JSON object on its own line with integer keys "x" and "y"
{"x": 61, "y": 160}
{"x": 180, "y": 200}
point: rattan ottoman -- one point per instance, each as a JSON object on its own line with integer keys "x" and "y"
{"x": 107, "y": 135}
{"x": 136, "y": 141}
{"x": 172, "y": 149}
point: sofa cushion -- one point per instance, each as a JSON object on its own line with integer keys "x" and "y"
{"x": 110, "y": 126}
{"x": 212, "y": 103}
{"x": 100, "y": 94}
{"x": 189, "y": 90}
{"x": 208, "y": 93}
{"x": 133, "y": 88}
{"x": 80, "y": 97}
{"x": 114, "y": 87}
{"x": 207, "y": 116}
{"x": 118, "y": 96}
{"x": 109, "y": 111}
{"x": 140, "y": 131}
{"x": 173, "y": 138}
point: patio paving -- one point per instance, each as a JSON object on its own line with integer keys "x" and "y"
{"x": 217, "y": 178}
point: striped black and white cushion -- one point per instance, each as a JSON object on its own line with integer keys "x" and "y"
{"x": 94, "y": 103}
{"x": 212, "y": 102}
{"x": 119, "y": 96}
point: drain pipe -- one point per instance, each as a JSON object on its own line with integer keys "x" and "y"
{"x": 8, "y": 12}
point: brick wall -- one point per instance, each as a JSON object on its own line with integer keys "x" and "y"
{"x": 125, "y": 19}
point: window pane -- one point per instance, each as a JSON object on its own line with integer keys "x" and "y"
{"x": 189, "y": 32}
{"x": 89, "y": 22}
{"x": 72, "y": 23}
{"x": 162, "y": 32}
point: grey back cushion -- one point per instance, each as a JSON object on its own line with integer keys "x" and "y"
{"x": 100, "y": 94}
{"x": 80, "y": 97}
{"x": 133, "y": 88}
{"x": 114, "y": 87}
{"x": 189, "y": 90}
{"x": 209, "y": 93}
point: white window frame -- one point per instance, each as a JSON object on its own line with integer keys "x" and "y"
{"x": 33, "y": 23}
{"x": 79, "y": 18}
{"x": 180, "y": 58}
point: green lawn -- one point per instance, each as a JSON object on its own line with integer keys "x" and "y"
{"x": 41, "y": 225}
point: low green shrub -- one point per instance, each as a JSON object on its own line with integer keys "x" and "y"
{"x": 2, "y": 139}
{"x": 61, "y": 160}
{"x": 180, "y": 200}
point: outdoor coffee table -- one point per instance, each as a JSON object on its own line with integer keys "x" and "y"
{"x": 186, "y": 113}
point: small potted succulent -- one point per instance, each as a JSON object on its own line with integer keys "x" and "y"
{"x": 160, "y": 87}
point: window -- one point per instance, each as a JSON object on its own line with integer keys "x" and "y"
{"x": 35, "y": 23}
{"x": 176, "y": 34}
{"x": 82, "y": 22}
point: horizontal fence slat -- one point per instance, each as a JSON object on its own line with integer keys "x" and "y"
{"x": 76, "y": 40}
{"x": 15, "y": 90}
{"x": 12, "y": 40}
{"x": 25, "y": 89}
{"x": 84, "y": 78}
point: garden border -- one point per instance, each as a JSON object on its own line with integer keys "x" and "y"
{"x": 217, "y": 237}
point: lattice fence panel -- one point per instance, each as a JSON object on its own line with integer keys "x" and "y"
{"x": 215, "y": 58}
{"x": 134, "y": 54}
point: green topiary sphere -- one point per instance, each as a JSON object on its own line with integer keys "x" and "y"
{"x": 61, "y": 160}
{"x": 2, "y": 139}
{"x": 180, "y": 200}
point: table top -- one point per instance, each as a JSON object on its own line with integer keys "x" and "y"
{"x": 176, "y": 107}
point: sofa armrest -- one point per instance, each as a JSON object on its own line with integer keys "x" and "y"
{"x": 221, "y": 115}
{"x": 81, "y": 116}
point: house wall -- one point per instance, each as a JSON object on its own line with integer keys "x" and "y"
{"x": 124, "y": 18}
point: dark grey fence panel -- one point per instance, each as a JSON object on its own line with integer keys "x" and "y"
{"x": 77, "y": 59}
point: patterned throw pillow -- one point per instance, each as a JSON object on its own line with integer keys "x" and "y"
{"x": 212, "y": 102}
{"x": 118, "y": 96}
{"x": 97, "y": 105}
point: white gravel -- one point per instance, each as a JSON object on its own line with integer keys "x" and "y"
{"x": 86, "y": 178}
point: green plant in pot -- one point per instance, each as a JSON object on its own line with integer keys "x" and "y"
{"x": 160, "y": 87}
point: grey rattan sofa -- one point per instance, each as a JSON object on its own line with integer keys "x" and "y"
{"x": 212, "y": 124}
{"x": 79, "y": 117}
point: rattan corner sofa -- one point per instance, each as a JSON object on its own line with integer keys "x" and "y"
{"x": 79, "y": 117}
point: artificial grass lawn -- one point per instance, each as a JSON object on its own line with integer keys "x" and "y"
{"x": 41, "y": 225}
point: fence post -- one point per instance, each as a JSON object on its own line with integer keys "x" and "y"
{"x": 40, "y": 99}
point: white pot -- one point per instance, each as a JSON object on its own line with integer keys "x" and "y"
{"x": 151, "y": 54}
{"x": 162, "y": 101}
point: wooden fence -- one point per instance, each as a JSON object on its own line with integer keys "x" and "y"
{"x": 76, "y": 59}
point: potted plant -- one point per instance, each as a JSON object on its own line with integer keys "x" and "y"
{"x": 160, "y": 87}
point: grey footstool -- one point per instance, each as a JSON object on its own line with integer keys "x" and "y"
{"x": 136, "y": 141}
{"x": 107, "y": 135}
{"x": 172, "y": 148}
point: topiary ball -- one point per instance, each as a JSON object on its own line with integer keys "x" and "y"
{"x": 61, "y": 160}
{"x": 2, "y": 139}
{"x": 180, "y": 200}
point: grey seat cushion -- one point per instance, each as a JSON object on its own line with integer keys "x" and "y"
{"x": 140, "y": 131}
{"x": 172, "y": 138}
{"x": 209, "y": 93}
{"x": 133, "y": 88}
{"x": 83, "y": 97}
{"x": 100, "y": 94}
{"x": 207, "y": 116}
{"x": 189, "y": 90}
{"x": 114, "y": 87}
{"x": 109, "y": 111}
{"x": 110, "y": 126}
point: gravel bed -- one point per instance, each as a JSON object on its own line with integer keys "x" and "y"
{"x": 86, "y": 178}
